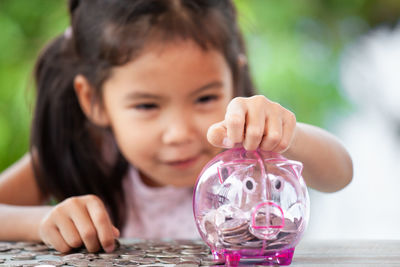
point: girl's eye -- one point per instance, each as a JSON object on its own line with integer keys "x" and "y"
{"x": 249, "y": 185}
{"x": 207, "y": 98}
{"x": 146, "y": 106}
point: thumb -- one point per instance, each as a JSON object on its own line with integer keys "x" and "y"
{"x": 217, "y": 135}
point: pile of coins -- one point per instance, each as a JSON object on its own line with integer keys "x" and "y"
{"x": 236, "y": 233}
{"x": 129, "y": 253}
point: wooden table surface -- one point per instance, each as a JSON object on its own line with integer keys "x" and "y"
{"x": 347, "y": 253}
{"x": 307, "y": 253}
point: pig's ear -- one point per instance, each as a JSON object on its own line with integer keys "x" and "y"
{"x": 225, "y": 170}
{"x": 293, "y": 167}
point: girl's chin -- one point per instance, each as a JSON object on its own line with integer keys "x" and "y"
{"x": 181, "y": 181}
{"x": 175, "y": 180}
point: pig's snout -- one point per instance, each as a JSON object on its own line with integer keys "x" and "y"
{"x": 267, "y": 215}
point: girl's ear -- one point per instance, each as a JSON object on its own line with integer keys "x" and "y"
{"x": 242, "y": 60}
{"x": 92, "y": 109}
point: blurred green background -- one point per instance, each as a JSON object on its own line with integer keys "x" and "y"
{"x": 294, "y": 52}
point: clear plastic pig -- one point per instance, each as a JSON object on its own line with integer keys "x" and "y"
{"x": 251, "y": 205}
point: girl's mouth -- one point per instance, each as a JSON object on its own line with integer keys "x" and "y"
{"x": 183, "y": 164}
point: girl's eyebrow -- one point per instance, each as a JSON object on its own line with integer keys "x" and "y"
{"x": 214, "y": 84}
{"x": 138, "y": 95}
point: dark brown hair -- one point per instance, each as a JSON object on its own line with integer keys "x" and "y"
{"x": 66, "y": 147}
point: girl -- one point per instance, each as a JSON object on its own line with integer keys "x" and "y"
{"x": 132, "y": 101}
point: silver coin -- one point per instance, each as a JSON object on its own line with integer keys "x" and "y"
{"x": 290, "y": 226}
{"x": 232, "y": 225}
{"x": 191, "y": 252}
{"x": 100, "y": 263}
{"x": 187, "y": 264}
{"x": 144, "y": 261}
{"x": 24, "y": 244}
{"x": 4, "y": 248}
{"x": 210, "y": 261}
{"x": 196, "y": 260}
{"x": 81, "y": 264}
{"x": 73, "y": 256}
{"x": 75, "y": 262}
{"x": 24, "y": 256}
{"x": 121, "y": 262}
{"x": 167, "y": 255}
{"x": 169, "y": 260}
{"x": 153, "y": 250}
{"x": 133, "y": 254}
{"x": 92, "y": 256}
{"x": 51, "y": 262}
{"x": 37, "y": 248}
{"x": 108, "y": 255}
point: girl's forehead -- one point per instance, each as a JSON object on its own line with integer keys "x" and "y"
{"x": 177, "y": 49}
{"x": 176, "y": 59}
{"x": 174, "y": 66}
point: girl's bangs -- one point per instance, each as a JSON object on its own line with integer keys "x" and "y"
{"x": 124, "y": 41}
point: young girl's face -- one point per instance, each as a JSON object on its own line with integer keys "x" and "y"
{"x": 160, "y": 106}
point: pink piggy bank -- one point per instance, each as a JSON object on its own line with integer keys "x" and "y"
{"x": 251, "y": 206}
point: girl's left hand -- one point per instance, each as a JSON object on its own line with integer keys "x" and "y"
{"x": 256, "y": 122}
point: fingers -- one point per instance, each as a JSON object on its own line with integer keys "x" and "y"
{"x": 289, "y": 128}
{"x": 77, "y": 221}
{"x": 231, "y": 130}
{"x": 255, "y": 126}
{"x": 235, "y": 119}
{"x": 102, "y": 223}
{"x": 69, "y": 233}
{"x": 256, "y": 122}
{"x": 279, "y": 131}
{"x": 273, "y": 134}
{"x": 87, "y": 231}
{"x": 51, "y": 236}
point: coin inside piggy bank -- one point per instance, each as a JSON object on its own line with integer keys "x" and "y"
{"x": 251, "y": 206}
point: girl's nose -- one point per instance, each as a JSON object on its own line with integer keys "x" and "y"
{"x": 178, "y": 130}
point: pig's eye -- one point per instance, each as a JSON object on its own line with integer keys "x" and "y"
{"x": 278, "y": 184}
{"x": 249, "y": 185}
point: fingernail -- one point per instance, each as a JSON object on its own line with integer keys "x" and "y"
{"x": 109, "y": 249}
{"x": 116, "y": 232}
{"x": 227, "y": 143}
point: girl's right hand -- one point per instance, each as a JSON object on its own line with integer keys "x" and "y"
{"x": 79, "y": 221}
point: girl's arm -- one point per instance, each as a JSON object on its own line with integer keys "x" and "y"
{"x": 327, "y": 165}
{"x": 19, "y": 200}
{"x": 18, "y": 185}
{"x": 77, "y": 221}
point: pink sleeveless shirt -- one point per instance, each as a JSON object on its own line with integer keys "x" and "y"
{"x": 162, "y": 212}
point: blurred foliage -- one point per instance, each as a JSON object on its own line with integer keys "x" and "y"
{"x": 25, "y": 25}
{"x": 294, "y": 49}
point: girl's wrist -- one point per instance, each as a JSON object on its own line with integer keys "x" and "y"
{"x": 38, "y": 213}
{"x": 291, "y": 152}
